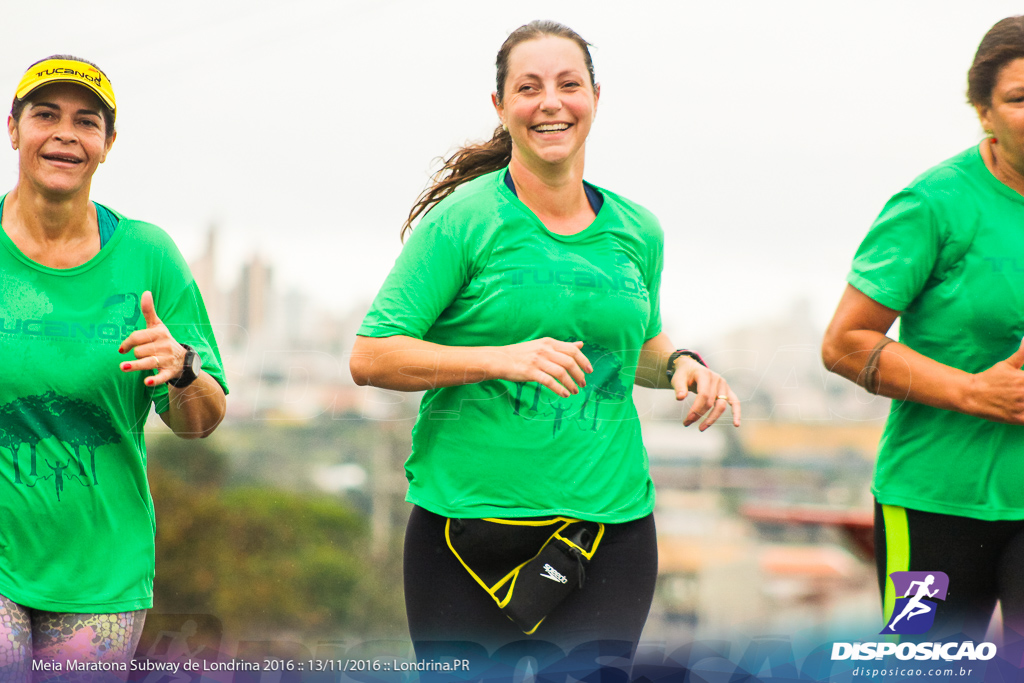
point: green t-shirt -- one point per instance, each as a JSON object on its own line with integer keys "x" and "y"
{"x": 947, "y": 252}
{"x": 482, "y": 270}
{"x": 76, "y": 516}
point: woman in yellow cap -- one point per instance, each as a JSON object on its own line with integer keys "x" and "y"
{"x": 100, "y": 319}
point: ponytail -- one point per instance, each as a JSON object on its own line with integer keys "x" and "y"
{"x": 464, "y": 165}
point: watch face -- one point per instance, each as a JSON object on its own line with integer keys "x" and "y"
{"x": 197, "y": 362}
{"x": 193, "y": 363}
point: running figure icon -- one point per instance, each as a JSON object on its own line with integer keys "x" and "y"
{"x": 914, "y": 605}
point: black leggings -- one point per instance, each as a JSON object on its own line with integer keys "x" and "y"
{"x": 444, "y": 603}
{"x": 984, "y": 561}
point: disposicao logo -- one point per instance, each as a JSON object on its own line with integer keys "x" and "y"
{"x": 914, "y": 612}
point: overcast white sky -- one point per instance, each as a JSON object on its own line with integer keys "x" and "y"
{"x": 765, "y": 135}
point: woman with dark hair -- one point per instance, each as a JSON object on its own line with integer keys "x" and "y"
{"x": 83, "y": 286}
{"x": 945, "y": 258}
{"x": 526, "y": 304}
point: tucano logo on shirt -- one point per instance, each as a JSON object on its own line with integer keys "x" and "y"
{"x": 123, "y": 308}
{"x": 577, "y": 277}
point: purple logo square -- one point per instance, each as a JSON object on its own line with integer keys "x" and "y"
{"x": 916, "y": 592}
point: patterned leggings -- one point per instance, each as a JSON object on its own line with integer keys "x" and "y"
{"x": 27, "y": 634}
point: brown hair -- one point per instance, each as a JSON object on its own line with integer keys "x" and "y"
{"x": 475, "y": 160}
{"x": 1003, "y": 43}
{"x": 108, "y": 114}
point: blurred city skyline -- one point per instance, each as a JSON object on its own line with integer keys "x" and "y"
{"x": 765, "y": 136}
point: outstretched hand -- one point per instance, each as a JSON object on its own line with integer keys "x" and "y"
{"x": 713, "y": 393}
{"x": 154, "y": 347}
{"x": 560, "y": 366}
{"x": 997, "y": 394}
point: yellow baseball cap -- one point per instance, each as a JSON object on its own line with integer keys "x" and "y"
{"x": 69, "y": 71}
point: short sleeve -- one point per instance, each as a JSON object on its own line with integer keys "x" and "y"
{"x": 656, "y": 264}
{"x": 188, "y": 322}
{"x": 426, "y": 278}
{"x": 899, "y": 253}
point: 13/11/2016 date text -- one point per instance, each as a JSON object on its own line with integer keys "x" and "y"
{"x": 366, "y": 665}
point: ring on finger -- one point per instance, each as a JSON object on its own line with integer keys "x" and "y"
{"x": 721, "y": 397}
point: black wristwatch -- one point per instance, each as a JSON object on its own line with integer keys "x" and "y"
{"x": 670, "y": 371}
{"x": 189, "y": 371}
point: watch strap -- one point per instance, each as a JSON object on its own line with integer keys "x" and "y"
{"x": 188, "y": 370}
{"x": 670, "y": 371}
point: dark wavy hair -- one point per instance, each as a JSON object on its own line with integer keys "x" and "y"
{"x": 108, "y": 114}
{"x": 1003, "y": 43}
{"x": 475, "y": 160}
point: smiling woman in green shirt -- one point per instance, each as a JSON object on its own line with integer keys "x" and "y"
{"x": 945, "y": 257}
{"x": 100, "y": 320}
{"x": 526, "y": 304}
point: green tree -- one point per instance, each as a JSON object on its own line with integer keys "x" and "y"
{"x": 603, "y": 383}
{"x": 9, "y": 437}
{"x": 25, "y": 420}
{"x": 81, "y": 424}
{"x": 197, "y": 462}
{"x": 263, "y": 561}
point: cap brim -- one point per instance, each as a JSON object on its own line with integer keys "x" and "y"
{"x": 104, "y": 98}
{"x": 67, "y": 71}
